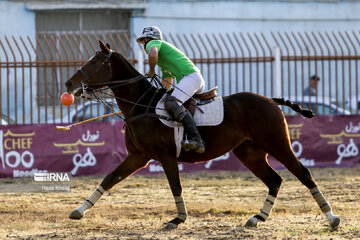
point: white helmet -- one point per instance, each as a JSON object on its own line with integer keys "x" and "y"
{"x": 150, "y": 32}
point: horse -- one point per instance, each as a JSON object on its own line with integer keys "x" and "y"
{"x": 253, "y": 127}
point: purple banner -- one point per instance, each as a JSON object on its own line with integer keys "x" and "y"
{"x": 88, "y": 149}
{"x": 98, "y": 148}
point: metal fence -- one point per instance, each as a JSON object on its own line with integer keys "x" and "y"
{"x": 33, "y": 70}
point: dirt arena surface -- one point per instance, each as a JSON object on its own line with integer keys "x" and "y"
{"x": 219, "y": 203}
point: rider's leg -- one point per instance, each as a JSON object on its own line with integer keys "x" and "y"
{"x": 178, "y": 111}
{"x": 188, "y": 86}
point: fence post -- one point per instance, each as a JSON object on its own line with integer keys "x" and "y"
{"x": 277, "y": 71}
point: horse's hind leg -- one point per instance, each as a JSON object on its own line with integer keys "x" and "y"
{"x": 255, "y": 160}
{"x": 130, "y": 165}
{"x": 292, "y": 163}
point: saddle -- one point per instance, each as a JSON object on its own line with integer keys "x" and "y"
{"x": 200, "y": 99}
{"x": 207, "y": 109}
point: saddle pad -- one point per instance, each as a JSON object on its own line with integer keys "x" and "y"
{"x": 213, "y": 113}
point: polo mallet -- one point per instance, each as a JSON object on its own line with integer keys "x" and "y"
{"x": 67, "y": 128}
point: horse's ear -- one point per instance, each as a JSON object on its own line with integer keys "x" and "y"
{"x": 104, "y": 49}
{"x": 108, "y": 45}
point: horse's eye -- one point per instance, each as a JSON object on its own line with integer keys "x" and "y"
{"x": 92, "y": 61}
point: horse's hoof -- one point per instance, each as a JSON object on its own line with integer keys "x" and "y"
{"x": 170, "y": 226}
{"x": 173, "y": 224}
{"x": 76, "y": 215}
{"x": 335, "y": 223}
{"x": 251, "y": 222}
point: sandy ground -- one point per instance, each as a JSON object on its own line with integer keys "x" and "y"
{"x": 218, "y": 203}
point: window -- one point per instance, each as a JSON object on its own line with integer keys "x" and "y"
{"x": 65, "y": 39}
{"x": 57, "y": 21}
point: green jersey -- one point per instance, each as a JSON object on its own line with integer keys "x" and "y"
{"x": 172, "y": 61}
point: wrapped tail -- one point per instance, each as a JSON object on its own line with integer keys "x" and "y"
{"x": 294, "y": 106}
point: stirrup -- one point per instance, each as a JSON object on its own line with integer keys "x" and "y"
{"x": 198, "y": 146}
{"x": 185, "y": 144}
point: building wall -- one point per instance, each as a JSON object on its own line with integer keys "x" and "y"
{"x": 16, "y": 21}
{"x": 255, "y": 16}
{"x": 249, "y": 16}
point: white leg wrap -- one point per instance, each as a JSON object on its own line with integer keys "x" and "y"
{"x": 181, "y": 208}
{"x": 330, "y": 216}
{"x": 90, "y": 202}
{"x": 325, "y": 208}
{"x": 320, "y": 199}
{"x": 268, "y": 205}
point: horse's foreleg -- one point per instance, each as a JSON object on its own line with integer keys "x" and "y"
{"x": 130, "y": 165}
{"x": 172, "y": 173}
{"x": 255, "y": 160}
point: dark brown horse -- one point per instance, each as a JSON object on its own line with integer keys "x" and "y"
{"x": 253, "y": 127}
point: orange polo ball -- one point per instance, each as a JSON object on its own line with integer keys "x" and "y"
{"x": 67, "y": 99}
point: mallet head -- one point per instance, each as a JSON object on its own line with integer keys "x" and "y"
{"x": 63, "y": 128}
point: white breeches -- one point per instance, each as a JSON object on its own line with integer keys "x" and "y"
{"x": 188, "y": 86}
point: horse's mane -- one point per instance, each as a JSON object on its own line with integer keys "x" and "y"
{"x": 128, "y": 65}
{"x": 154, "y": 94}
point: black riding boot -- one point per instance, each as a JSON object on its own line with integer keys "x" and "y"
{"x": 193, "y": 139}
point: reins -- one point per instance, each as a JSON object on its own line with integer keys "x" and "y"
{"x": 119, "y": 82}
{"x": 159, "y": 87}
{"x": 87, "y": 91}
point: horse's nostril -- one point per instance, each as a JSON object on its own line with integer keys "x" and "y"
{"x": 68, "y": 83}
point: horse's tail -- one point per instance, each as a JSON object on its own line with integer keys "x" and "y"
{"x": 294, "y": 106}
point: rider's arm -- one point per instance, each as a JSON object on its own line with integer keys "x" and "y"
{"x": 167, "y": 82}
{"x": 153, "y": 59}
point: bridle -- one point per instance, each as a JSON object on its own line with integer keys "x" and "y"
{"x": 90, "y": 93}
{"x": 87, "y": 91}
{"x": 85, "y": 86}
{"x": 106, "y": 61}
